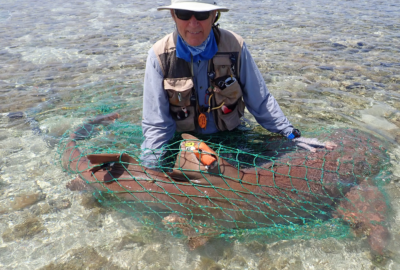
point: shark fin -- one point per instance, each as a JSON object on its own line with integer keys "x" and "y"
{"x": 189, "y": 137}
{"x": 190, "y": 165}
{"x": 97, "y": 159}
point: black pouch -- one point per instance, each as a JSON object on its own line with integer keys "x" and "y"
{"x": 223, "y": 82}
{"x": 183, "y": 124}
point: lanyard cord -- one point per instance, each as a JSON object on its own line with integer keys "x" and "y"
{"x": 191, "y": 65}
{"x": 194, "y": 90}
{"x": 209, "y": 104}
{"x": 211, "y": 94}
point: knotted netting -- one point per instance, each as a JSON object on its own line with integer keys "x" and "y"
{"x": 260, "y": 184}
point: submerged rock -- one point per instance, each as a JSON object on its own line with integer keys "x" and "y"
{"x": 281, "y": 262}
{"x": 89, "y": 202}
{"x": 81, "y": 258}
{"x": 26, "y": 230}
{"x": 238, "y": 262}
{"x": 20, "y": 202}
{"x": 131, "y": 241}
{"x": 96, "y": 217}
{"x": 156, "y": 257}
{"x": 58, "y": 205}
{"x": 208, "y": 264}
{"x": 24, "y": 200}
{"x": 2, "y": 184}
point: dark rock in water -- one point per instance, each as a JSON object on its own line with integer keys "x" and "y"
{"x": 26, "y": 230}
{"x": 156, "y": 259}
{"x": 326, "y": 68}
{"x": 96, "y": 217}
{"x": 3, "y": 186}
{"x": 339, "y": 46}
{"x": 239, "y": 262}
{"x": 41, "y": 208}
{"x": 387, "y": 64}
{"x": 58, "y": 205}
{"x": 360, "y": 44}
{"x": 24, "y": 200}
{"x": 207, "y": 263}
{"x": 266, "y": 262}
{"x": 81, "y": 258}
{"x": 382, "y": 85}
{"x": 355, "y": 85}
{"x": 131, "y": 241}
{"x": 2, "y": 183}
{"x": 256, "y": 246}
{"x": 89, "y": 202}
{"x": 353, "y": 51}
{"x": 20, "y": 202}
{"x": 16, "y": 115}
{"x": 3, "y": 137}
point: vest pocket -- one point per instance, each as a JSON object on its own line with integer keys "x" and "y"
{"x": 179, "y": 90}
{"x": 183, "y": 124}
{"x": 222, "y": 65}
{"x": 229, "y": 95}
{"x": 231, "y": 120}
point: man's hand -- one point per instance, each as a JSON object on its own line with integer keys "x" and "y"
{"x": 312, "y": 144}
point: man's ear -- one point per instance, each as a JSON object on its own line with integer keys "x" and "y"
{"x": 172, "y": 14}
{"x": 214, "y": 15}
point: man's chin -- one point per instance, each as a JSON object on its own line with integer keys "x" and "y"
{"x": 194, "y": 41}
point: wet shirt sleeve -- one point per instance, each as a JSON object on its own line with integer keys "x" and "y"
{"x": 157, "y": 124}
{"x": 259, "y": 101}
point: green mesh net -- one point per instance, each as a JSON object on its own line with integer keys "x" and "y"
{"x": 259, "y": 185}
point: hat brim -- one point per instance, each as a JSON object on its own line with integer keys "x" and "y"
{"x": 194, "y": 7}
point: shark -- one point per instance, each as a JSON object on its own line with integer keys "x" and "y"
{"x": 204, "y": 188}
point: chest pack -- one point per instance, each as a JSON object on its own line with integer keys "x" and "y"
{"x": 225, "y": 101}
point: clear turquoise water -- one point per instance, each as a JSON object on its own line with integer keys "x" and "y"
{"x": 327, "y": 63}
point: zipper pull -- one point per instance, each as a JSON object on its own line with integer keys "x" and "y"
{"x": 179, "y": 97}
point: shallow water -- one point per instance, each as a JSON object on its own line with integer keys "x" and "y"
{"x": 327, "y": 63}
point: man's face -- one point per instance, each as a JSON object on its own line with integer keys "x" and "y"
{"x": 193, "y": 31}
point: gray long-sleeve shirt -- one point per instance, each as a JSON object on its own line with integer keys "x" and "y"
{"x": 158, "y": 125}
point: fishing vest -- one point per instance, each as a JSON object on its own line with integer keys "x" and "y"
{"x": 225, "y": 94}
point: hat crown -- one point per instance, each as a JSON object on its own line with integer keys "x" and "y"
{"x": 211, "y": 2}
{"x": 194, "y": 5}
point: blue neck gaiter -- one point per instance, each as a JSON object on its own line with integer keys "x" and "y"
{"x": 203, "y": 52}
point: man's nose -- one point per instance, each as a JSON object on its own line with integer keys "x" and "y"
{"x": 193, "y": 21}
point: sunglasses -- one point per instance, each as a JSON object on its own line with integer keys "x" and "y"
{"x": 185, "y": 15}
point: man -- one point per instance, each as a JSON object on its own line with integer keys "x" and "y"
{"x": 200, "y": 78}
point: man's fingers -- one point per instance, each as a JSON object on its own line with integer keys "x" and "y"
{"x": 311, "y": 143}
{"x": 330, "y": 145}
{"x": 307, "y": 147}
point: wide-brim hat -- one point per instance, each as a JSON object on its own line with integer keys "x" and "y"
{"x": 194, "y": 5}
